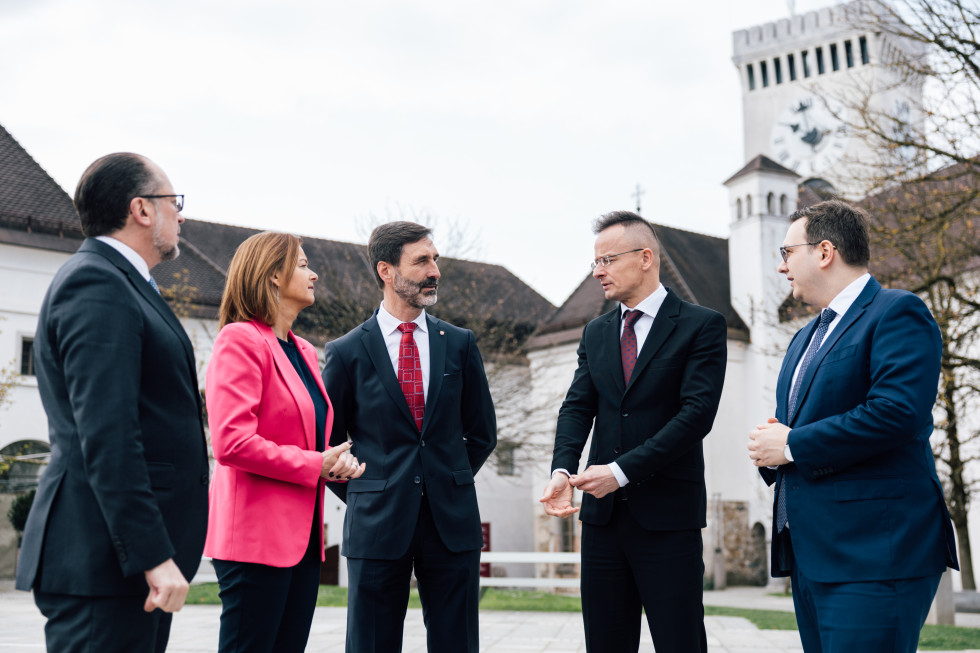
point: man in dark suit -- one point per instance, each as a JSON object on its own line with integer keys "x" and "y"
{"x": 649, "y": 377}
{"x": 411, "y": 393}
{"x": 118, "y": 523}
{"x": 859, "y": 519}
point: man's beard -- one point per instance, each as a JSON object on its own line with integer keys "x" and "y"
{"x": 166, "y": 251}
{"x": 411, "y": 291}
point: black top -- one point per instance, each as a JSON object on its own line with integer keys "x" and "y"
{"x": 319, "y": 402}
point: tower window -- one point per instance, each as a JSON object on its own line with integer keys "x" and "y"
{"x": 738, "y": 208}
{"x": 819, "y": 55}
{"x": 27, "y": 357}
{"x": 751, "y": 74}
{"x": 782, "y": 205}
{"x": 863, "y": 43}
{"x": 805, "y": 63}
{"x": 764, "y": 71}
{"x": 777, "y": 68}
{"x": 849, "y": 53}
{"x": 791, "y": 64}
{"x": 834, "y": 61}
{"x": 748, "y": 205}
{"x": 771, "y": 204}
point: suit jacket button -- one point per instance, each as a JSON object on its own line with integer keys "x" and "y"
{"x": 625, "y": 414}
{"x": 204, "y": 479}
{"x": 418, "y": 479}
{"x": 616, "y": 450}
{"x": 422, "y": 443}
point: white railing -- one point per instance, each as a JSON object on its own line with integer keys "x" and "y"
{"x": 529, "y": 557}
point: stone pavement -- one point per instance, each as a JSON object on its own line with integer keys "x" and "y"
{"x": 196, "y": 628}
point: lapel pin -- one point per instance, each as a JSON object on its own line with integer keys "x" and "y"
{"x": 442, "y": 333}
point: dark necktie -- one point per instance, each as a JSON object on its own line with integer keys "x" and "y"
{"x": 627, "y": 343}
{"x": 826, "y": 317}
{"x": 410, "y": 372}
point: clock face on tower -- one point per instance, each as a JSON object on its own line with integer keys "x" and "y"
{"x": 807, "y": 137}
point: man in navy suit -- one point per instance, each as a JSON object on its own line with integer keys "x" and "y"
{"x": 118, "y": 524}
{"x": 859, "y": 519}
{"x": 649, "y": 377}
{"x": 411, "y": 393}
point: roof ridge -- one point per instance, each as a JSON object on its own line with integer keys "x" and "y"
{"x": 679, "y": 276}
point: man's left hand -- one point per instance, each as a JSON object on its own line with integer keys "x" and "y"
{"x": 767, "y": 443}
{"x": 597, "y": 480}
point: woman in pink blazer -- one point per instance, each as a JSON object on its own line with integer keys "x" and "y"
{"x": 270, "y": 419}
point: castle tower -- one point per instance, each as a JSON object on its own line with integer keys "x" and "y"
{"x": 799, "y": 77}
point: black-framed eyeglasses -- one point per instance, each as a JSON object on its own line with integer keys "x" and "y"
{"x": 606, "y": 260}
{"x": 177, "y": 200}
{"x": 784, "y": 251}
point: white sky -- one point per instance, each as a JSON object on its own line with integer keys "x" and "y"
{"x": 521, "y": 120}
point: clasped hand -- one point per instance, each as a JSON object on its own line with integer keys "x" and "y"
{"x": 339, "y": 464}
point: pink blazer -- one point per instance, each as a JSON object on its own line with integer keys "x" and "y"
{"x": 266, "y": 480}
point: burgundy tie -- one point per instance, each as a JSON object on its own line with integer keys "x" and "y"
{"x": 627, "y": 343}
{"x": 410, "y": 372}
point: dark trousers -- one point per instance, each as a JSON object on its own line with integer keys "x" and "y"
{"x": 626, "y": 568}
{"x": 449, "y": 588}
{"x": 102, "y": 624}
{"x": 870, "y": 616}
{"x": 268, "y": 609}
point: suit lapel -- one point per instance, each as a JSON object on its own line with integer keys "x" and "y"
{"x": 437, "y": 364}
{"x": 374, "y": 343}
{"x": 852, "y": 315}
{"x": 611, "y": 352}
{"x": 663, "y": 326}
{"x": 301, "y": 395}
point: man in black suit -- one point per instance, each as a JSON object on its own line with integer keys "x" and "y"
{"x": 411, "y": 393}
{"x": 118, "y": 523}
{"x": 649, "y": 377}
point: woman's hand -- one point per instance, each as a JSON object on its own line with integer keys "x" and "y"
{"x": 339, "y": 464}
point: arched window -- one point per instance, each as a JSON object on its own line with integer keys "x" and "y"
{"x": 738, "y": 209}
{"x": 771, "y": 204}
{"x": 748, "y": 205}
{"x": 783, "y": 209}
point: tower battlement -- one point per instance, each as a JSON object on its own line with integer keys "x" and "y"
{"x": 807, "y": 29}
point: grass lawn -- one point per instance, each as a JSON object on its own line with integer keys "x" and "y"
{"x": 933, "y": 638}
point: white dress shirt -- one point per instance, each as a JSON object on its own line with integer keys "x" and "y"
{"x": 388, "y": 324}
{"x": 650, "y": 307}
{"x": 129, "y": 253}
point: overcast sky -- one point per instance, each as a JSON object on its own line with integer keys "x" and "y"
{"x": 519, "y": 120}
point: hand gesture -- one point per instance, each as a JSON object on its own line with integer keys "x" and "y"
{"x": 557, "y": 497}
{"x": 339, "y": 464}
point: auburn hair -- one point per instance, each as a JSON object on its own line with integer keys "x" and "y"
{"x": 249, "y": 291}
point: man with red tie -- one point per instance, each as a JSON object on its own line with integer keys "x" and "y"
{"x": 649, "y": 377}
{"x": 411, "y": 393}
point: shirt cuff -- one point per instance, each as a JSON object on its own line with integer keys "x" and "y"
{"x": 618, "y": 473}
{"x": 787, "y": 453}
{"x": 562, "y": 470}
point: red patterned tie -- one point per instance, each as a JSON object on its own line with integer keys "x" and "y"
{"x": 627, "y": 343}
{"x": 410, "y": 372}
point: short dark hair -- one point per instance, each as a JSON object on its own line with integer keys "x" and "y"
{"x": 629, "y": 220}
{"x": 845, "y": 226}
{"x": 387, "y": 241}
{"x": 107, "y": 187}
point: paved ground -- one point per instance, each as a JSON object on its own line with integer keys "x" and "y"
{"x": 196, "y": 628}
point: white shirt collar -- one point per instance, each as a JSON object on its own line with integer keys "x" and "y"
{"x": 389, "y": 323}
{"x": 650, "y": 305}
{"x": 846, "y": 297}
{"x": 129, "y": 254}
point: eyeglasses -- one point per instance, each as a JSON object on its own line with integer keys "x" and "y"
{"x": 604, "y": 261}
{"x": 177, "y": 201}
{"x": 785, "y": 250}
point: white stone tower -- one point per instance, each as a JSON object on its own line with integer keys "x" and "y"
{"x": 799, "y": 77}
